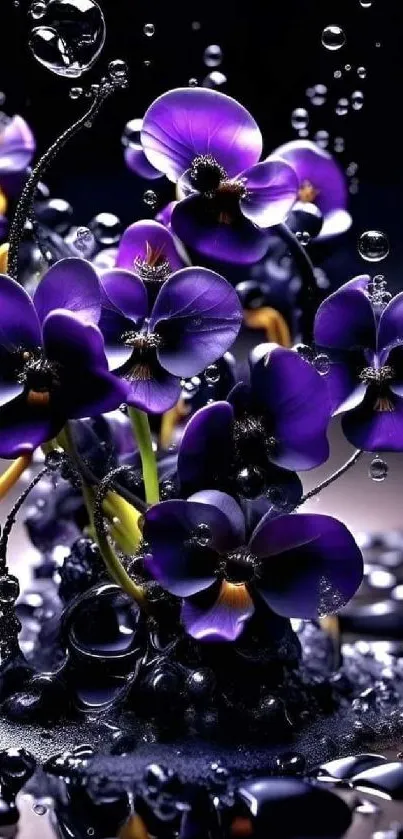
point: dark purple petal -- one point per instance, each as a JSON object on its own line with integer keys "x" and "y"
{"x": 137, "y": 162}
{"x": 311, "y": 565}
{"x": 19, "y": 325}
{"x": 70, "y": 284}
{"x": 125, "y": 292}
{"x": 316, "y": 167}
{"x": 343, "y": 385}
{"x": 86, "y": 386}
{"x": 153, "y": 389}
{"x": 228, "y": 506}
{"x": 224, "y": 619}
{"x": 164, "y": 215}
{"x": 346, "y": 320}
{"x": 294, "y": 400}
{"x": 17, "y": 146}
{"x": 376, "y": 425}
{"x": 390, "y": 328}
{"x": 272, "y": 189}
{"x": 185, "y": 123}
{"x": 240, "y": 397}
{"x": 3, "y": 227}
{"x": 149, "y": 242}
{"x": 205, "y": 451}
{"x": 24, "y": 427}
{"x": 199, "y": 227}
{"x": 113, "y": 326}
{"x": 198, "y": 315}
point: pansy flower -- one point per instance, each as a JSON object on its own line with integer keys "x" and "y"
{"x": 195, "y": 318}
{"x": 276, "y": 423}
{"x": 17, "y": 146}
{"x": 52, "y": 360}
{"x": 211, "y": 145}
{"x": 149, "y": 250}
{"x": 365, "y": 348}
{"x": 201, "y": 550}
{"x": 321, "y": 181}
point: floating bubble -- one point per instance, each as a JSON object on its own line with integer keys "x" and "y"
{"x": 84, "y": 241}
{"x": 149, "y": 30}
{"x": 366, "y": 4}
{"x": 342, "y": 107}
{"x": 150, "y": 198}
{"x": 319, "y": 94}
{"x": 215, "y": 80}
{"x": 303, "y": 237}
{"x": 352, "y": 168}
{"x": 70, "y": 36}
{"x": 37, "y": 10}
{"x": 347, "y": 67}
{"x": 196, "y": 25}
{"x": 106, "y": 228}
{"x": 378, "y": 469}
{"x": 212, "y": 55}
{"x": 75, "y": 92}
{"x": 193, "y": 82}
{"x": 322, "y": 139}
{"x": 212, "y": 374}
{"x": 118, "y": 70}
{"x": 339, "y": 144}
{"x": 299, "y": 118}
{"x": 333, "y": 37}
{"x": 361, "y": 72}
{"x": 373, "y": 245}
{"x": 147, "y": 63}
{"x": 337, "y": 74}
{"x": 357, "y": 100}
{"x": 321, "y": 363}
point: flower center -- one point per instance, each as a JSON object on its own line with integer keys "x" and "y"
{"x": 206, "y": 174}
{"x": 39, "y": 376}
{"x": 140, "y": 364}
{"x": 239, "y": 566}
{"x": 154, "y": 268}
{"x": 380, "y": 377}
{"x": 226, "y": 200}
{"x": 307, "y": 193}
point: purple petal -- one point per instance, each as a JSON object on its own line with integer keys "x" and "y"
{"x": 164, "y": 215}
{"x": 24, "y": 427}
{"x": 155, "y": 390}
{"x": 198, "y": 315}
{"x": 294, "y": 398}
{"x": 346, "y": 320}
{"x": 335, "y": 223}
{"x": 185, "y": 123}
{"x": 390, "y": 329}
{"x": 316, "y": 167}
{"x": 17, "y": 146}
{"x": 228, "y": 506}
{"x": 311, "y": 565}
{"x": 137, "y": 162}
{"x": 70, "y": 284}
{"x": 224, "y": 620}
{"x": 149, "y": 242}
{"x": 343, "y": 386}
{"x": 87, "y": 387}
{"x": 271, "y": 192}
{"x": 205, "y": 451}
{"x": 19, "y": 325}
{"x": 199, "y": 227}
{"x": 126, "y": 293}
{"x": 113, "y": 325}
{"x": 376, "y": 425}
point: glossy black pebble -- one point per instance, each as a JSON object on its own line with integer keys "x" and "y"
{"x": 345, "y": 768}
{"x": 16, "y": 768}
{"x": 386, "y": 780}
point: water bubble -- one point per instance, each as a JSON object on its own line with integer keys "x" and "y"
{"x": 352, "y": 168}
{"x": 37, "y": 10}
{"x": 333, "y": 37}
{"x": 373, "y": 246}
{"x": 84, "y": 241}
{"x": 305, "y": 351}
{"x": 212, "y": 55}
{"x": 357, "y": 100}
{"x": 196, "y": 25}
{"x": 366, "y": 4}
{"x": 378, "y": 469}
{"x": 193, "y": 82}
{"x": 339, "y": 144}
{"x": 118, "y": 70}
{"x": 215, "y": 80}
{"x": 212, "y": 374}
{"x": 319, "y": 94}
{"x": 70, "y": 36}
{"x": 75, "y": 92}
{"x": 337, "y": 74}
{"x": 106, "y": 228}
{"x": 303, "y": 237}
{"x": 322, "y": 139}
{"x": 299, "y": 118}
{"x": 321, "y": 363}
{"x": 39, "y": 809}
{"x": 190, "y": 386}
{"x": 149, "y": 29}
{"x": 342, "y": 107}
{"x": 361, "y": 72}
{"x": 347, "y": 67}
{"x": 203, "y": 534}
{"x": 147, "y": 63}
{"x": 150, "y": 198}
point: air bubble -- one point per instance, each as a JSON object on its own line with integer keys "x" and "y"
{"x": 118, "y": 70}
{"x": 357, "y": 100}
{"x": 366, "y": 4}
{"x": 76, "y": 92}
{"x": 347, "y": 67}
{"x": 69, "y": 37}
{"x": 305, "y": 351}
{"x": 322, "y": 139}
{"x": 342, "y": 107}
{"x": 150, "y": 198}
{"x": 373, "y": 246}
{"x": 215, "y": 80}
{"x": 337, "y": 74}
{"x": 84, "y": 241}
{"x": 37, "y": 10}
{"x": 319, "y": 94}
{"x": 303, "y": 237}
{"x": 321, "y": 363}
{"x": 362, "y": 72}
{"x": 193, "y": 82}
{"x": 149, "y": 30}
{"x": 339, "y": 144}
{"x": 378, "y": 469}
{"x": 333, "y": 38}
{"x": 106, "y": 228}
{"x": 39, "y": 809}
{"x": 212, "y": 374}
{"x": 212, "y": 55}
{"x": 299, "y": 118}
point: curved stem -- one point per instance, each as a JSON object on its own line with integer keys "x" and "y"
{"x": 10, "y": 477}
{"x": 309, "y": 296}
{"x": 10, "y": 520}
{"x": 332, "y": 478}
{"x": 142, "y": 433}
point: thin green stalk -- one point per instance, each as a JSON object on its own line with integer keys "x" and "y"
{"x": 142, "y": 433}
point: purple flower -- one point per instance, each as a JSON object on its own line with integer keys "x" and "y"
{"x": 164, "y": 216}
{"x": 52, "y": 360}
{"x": 300, "y": 566}
{"x": 149, "y": 250}
{"x": 247, "y": 445}
{"x": 321, "y": 181}
{"x": 195, "y": 318}
{"x": 363, "y": 340}
{"x": 211, "y": 145}
{"x": 17, "y": 146}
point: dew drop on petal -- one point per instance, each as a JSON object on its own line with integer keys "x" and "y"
{"x": 342, "y": 107}
{"x": 357, "y": 100}
{"x": 37, "y": 10}
{"x": 299, "y": 118}
{"x": 150, "y": 198}
{"x": 215, "y": 80}
{"x": 212, "y": 55}
{"x": 149, "y": 29}
{"x": 39, "y": 809}
{"x": 333, "y": 37}
{"x": 361, "y": 72}
{"x": 305, "y": 351}
{"x": 373, "y": 245}
{"x": 69, "y": 37}
{"x": 321, "y": 363}
{"x": 212, "y": 374}
{"x": 378, "y": 469}
{"x": 303, "y": 237}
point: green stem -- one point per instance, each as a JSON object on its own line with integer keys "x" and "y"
{"x": 142, "y": 433}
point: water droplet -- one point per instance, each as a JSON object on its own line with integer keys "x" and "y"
{"x": 339, "y": 144}
{"x": 9, "y": 588}
{"x": 347, "y": 67}
{"x": 147, "y": 62}
{"x": 305, "y": 351}
{"x": 150, "y": 198}
{"x": 303, "y": 132}
{"x": 319, "y": 94}
{"x": 321, "y": 363}
{"x": 106, "y": 228}
{"x": 84, "y": 241}
{"x": 203, "y": 534}
{"x": 378, "y": 469}
{"x": 76, "y": 92}
{"x": 322, "y": 139}
{"x": 39, "y": 809}
{"x": 333, "y": 38}
{"x": 37, "y": 10}
{"x": 190, "y": 386}
{"x": 373, "y": 246}
{"x": 70, "y": 36}
{"x": 167, "y": 489}
{"x": 212, "y": 55}
{"x": 366, "y": 4}
{"x": 337, "y": 74}
{"x": 357, "y": 100}
{"x": 303, "y": 237}
{"x": 149, "y": 29}
{"x": 378, "y": 44}
{"x": 193, "y": 82}
{"x": 215, "y": 80}
{"x": 361, "y": 72}
{"x": 118, "y": 70}
{"x": 352, "y": 169}
{"x": 212, "y": 374}
{"x": 299, "y": 118}
{"x": 196, "y": 25}
{"x": 342, "y": 107}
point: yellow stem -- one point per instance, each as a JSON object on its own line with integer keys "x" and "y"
{"x": 10, "y": 477}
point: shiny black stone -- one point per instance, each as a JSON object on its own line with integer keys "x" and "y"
{"x": 252, "y": 294}
{"x": 16, "y": 767}
{"x": 294, "y": 806}
{"x": 124, "y": 744}
{"x": 383, "y": 619}
{"x": 290, "y": 763}
{"x": 200, "y": 684}
{"x": 385, "y": 779}
{"x": 82, "y": 568}
{"x": 345, "y": 767}
{"x": 55, "y": 213}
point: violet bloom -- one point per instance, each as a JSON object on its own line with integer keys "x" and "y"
{"x": 149, "y": 250}
{"x": 17, "y": 146}
{"x": 211, "y": 145}
{"x": 195, "y": 318}
{"x": 301, "y": 566}
{"x": 365, "y": 379}
{"x": 276, "y": 423}
{"x": 321, "y": 181}
{"x": 52, "y": 361}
